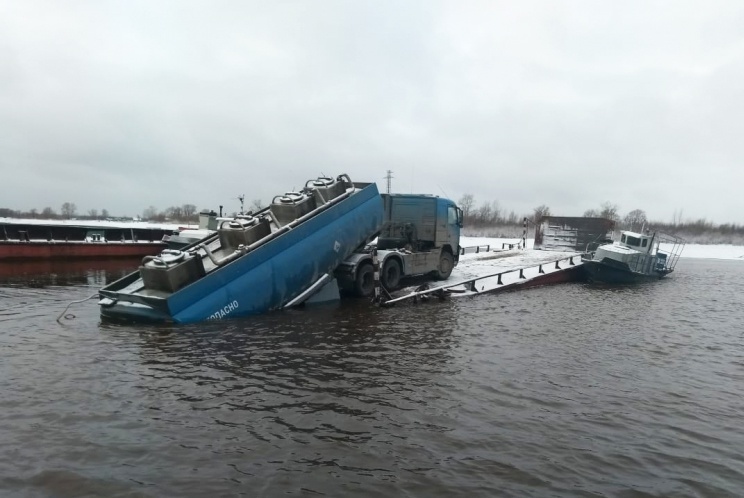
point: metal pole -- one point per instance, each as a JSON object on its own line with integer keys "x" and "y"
{"x": 376, "y": 266}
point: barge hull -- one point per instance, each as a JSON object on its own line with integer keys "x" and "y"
{"x": 72, "y": 250}
{"x": 565, "y": 275}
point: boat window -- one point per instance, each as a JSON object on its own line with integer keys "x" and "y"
{"x": 622, "y": 239}
{"x": 645, "y": 242}
{"x": 632, "y": 241}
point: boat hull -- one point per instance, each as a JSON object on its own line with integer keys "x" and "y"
{"x": 600, "y": 271}
{"x": 14, "y": 251}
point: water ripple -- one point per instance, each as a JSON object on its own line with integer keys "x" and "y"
{"x": 573, "y": 390}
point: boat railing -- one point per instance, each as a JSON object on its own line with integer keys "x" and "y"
{"x": 645, "y": 263}
{"x": 663, "y": 261}
{"x": 674, "y": 252}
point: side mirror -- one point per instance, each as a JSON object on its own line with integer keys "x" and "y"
{"x": 459, "y": 218}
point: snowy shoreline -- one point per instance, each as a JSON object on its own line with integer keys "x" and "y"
{"x": 703, "y": 251}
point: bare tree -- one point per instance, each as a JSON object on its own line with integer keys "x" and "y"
{"x": 466, "y": 203}
{"x": 48, "y": 213}
{"x": 188, "y": 211}
{"x": 495, "y": 212}
{"x": 174, "y": 213}
{"x": 256, "y": 205}
{"x": 93, "y": 213}
{"x": 539, "y": 212}
{"x": 609, "y": 211}
{"x": 677, "y": 217}
{"x": 104, "y": 213}
{"x": 637, "y": 217}
{"x": 606, "y": 210}
{"x": 34, "y": 212}
{"x": 149, "y": 213}
{"x": 68, "y": 209}
{"x": 484, "y": 213}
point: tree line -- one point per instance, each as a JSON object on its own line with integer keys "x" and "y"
{"x": 185, "y": 213}
{"x": 487, "y": 214}
{"x": 68, "y": 211}
{"x": 490, "y": 214}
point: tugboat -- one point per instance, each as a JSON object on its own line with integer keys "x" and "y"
{"x": 637, "y": 257}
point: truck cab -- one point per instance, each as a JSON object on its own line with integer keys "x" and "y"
{"x": 420, "y": 235}
{"x": 420, "y": 222}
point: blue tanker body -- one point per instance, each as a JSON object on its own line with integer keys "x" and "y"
{"x": 251, "y": 278}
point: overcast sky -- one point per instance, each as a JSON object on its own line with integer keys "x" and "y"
{"x": 129, "y": 104}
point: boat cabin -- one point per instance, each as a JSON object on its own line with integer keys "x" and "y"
{"x": 638, "y": 242}
{"x": 636, "y": 256}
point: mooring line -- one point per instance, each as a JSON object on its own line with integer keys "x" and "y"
{"x": 71, "y": 316}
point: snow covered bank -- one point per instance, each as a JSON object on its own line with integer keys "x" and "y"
{"x": 712, "y": 251}
{"x": 715, "y": 251}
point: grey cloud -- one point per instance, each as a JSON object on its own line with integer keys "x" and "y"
{"x": 126, "y": 105}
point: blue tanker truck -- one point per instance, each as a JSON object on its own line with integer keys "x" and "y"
{"x": 304, "y": 244}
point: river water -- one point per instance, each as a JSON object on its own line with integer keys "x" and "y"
{"x": 568, "y": 390}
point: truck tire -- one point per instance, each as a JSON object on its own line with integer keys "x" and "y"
{"x": 391, "y": 274}
{"x": 446, "y": 264}
{"x": 364, "y": 284}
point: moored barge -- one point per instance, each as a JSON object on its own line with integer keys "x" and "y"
{"x": 69, "y": 239}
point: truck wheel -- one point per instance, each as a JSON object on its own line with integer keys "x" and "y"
{"x": 446, "y": 263}
{"x": 391, "y": 274}
{"x": 364, "y": 285}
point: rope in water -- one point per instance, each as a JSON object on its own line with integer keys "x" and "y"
{"x": 70, "y": 304}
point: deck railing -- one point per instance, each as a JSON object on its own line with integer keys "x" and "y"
{"x": 475, "y": 249}
{"x": 471, "y": 284}
{"x": 487, "y": 247}
{"x": 569, "y": 261}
